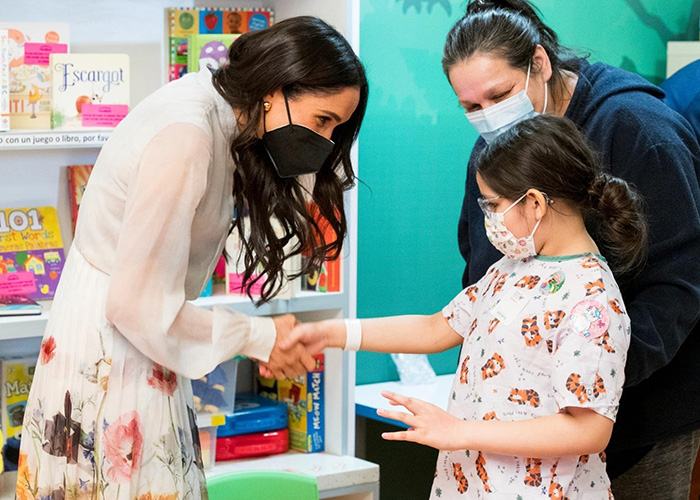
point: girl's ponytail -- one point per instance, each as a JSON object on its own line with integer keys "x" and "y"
{"x": 618, "y": 210}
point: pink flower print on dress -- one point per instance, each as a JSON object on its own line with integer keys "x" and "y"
{"x": 163, "y": 379}
{"x": 123, "y": 440}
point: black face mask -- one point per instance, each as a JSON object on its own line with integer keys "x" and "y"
{"x": 294, "y": 149}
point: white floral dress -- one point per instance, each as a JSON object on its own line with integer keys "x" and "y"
{"x": 540, "y": 335}
{"x": 110, "y": 409}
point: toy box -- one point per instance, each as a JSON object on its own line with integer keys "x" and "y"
{"x": 16, "y": 375}
{"x": 253, "y": 414}
{"x": 252, "y": 445}
{"x": 305, "y": 406}
{"x": 215, "y": 393}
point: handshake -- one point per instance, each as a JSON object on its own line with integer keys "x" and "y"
{"x": 297, "y": 343}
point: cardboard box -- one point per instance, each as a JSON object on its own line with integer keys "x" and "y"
{"x": 305, "y": 403}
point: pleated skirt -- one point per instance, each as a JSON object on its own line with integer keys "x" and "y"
{"x": 103, "y": 421}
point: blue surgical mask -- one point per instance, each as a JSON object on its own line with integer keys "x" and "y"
{"x": 494, "y": 120}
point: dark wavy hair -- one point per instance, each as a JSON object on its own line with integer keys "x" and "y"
{"x": 300, "y": 55}
{"x": 550, "y": 154}
{"x": 510, "y": 30}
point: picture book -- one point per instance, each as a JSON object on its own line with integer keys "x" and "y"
{"x": 77, "y": 181}
{"x": 327, "y": 277}
{"x": 4, "y": 81}
{"x": 305, "y": 406}
{"x": 31, "y": 245}
{"x": 18, "y": 305}
{"x": 182, "y": 23}
{"x": 89, "y": 90}
{"x": 30, "y": 46}
{"x": 16, "y": 376}
{"x": 235, "y": 267}
{"x": 208, "y": 50}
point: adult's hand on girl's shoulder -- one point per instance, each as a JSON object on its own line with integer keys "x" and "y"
{"x": 287, "y": 359}
{"x": 428, "y": 424}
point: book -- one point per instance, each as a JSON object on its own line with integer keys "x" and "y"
{"x": 89, "y": 90}
{"x": 16, "y": 376}
{"x": 77, "y": 181}
{"x": 18, "y": 305}
{"x": 184, "y": 22}
{"x": 4, "y": 81}
{"x": 208, "y": 50}
{"x": 29, "y": 47}
{"x": 31, "y": 245}
{"x": 235, "y": 267}
{"x": 305, "y": 406}
{"x": 327, "y": 277}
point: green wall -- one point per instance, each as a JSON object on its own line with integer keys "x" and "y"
{"x": 415, "y": 141}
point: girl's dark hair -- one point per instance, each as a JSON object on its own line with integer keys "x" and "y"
{"x": 510, "y": 30}
{"x": 550, "y": 154}
{"x": 300, "y": 55}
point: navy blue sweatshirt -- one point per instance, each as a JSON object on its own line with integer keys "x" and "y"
{"x": 646, "y": 143}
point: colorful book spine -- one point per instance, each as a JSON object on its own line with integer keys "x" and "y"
{"x": 78, "y": 176}
{"x": 4, "y": 81}
{"x": 327, "y": 278}
{"x": 31, "y": 245}
{"x": 89, "y": 90}
{"x": 30, "y": 47}
{"x": 181, "y": 23}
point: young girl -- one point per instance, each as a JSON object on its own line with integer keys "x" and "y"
{"x": 544, "y": 333}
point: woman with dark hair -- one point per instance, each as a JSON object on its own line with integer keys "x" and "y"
{"x": 110, "y": 410}
{"x": 544, "y": 332}
{"x": 505, "y": 65}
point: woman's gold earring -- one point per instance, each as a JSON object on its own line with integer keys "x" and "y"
{"x": 266, "y": 105}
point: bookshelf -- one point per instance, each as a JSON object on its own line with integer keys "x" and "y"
{"x": 32, "y": 166}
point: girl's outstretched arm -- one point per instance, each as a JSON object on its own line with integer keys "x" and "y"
{"x": 576, "y": 431}
{"x": 407, "y": 334}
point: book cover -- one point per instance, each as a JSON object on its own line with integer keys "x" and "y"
{"x": 4, "y": 81}
{"x": 326, "y": 278}
{"x": 235, "y": 267}
{"x": 29, "y": 47}
{"x": 30, "y": 241}
{"x": 77, "y": 181}
{"x": 208, "y": 50}
{"x": 89, "y": 90}
{"x": 184, "y": 22}
{"x": 18, "y": 305}
{"x": 17, "y": 375}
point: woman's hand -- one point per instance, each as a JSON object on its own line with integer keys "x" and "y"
{"x": 428, "y": 424}
{"x": 287, "y": 359}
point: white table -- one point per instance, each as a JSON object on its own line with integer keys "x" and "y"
{"x": 368, "y": 398}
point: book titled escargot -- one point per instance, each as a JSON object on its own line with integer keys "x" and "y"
{"x": 89, "y": 90}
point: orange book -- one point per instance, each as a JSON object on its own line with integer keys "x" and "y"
{"x": 327, "y": 278}
{"x": 77, "y": 180}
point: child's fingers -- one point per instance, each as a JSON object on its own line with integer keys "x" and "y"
{"x": 399, "y": 399}
{"x": 399, "y": 416}
{"x": 398, "y": 436}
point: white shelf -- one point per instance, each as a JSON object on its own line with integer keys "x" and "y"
{"x": 332, "y": 472}
{"x": 32, "y": 140}
{"x": 22, "y": 327}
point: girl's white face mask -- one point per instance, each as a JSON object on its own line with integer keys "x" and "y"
{"x": 494, "y": 120}
{"x": 501, "y": 237}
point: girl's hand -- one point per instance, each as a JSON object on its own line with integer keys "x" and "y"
{"x": 315, "y": 337}
{"x": 428, "y": 424}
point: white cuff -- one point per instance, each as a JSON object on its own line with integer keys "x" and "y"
{"x": 353, "y": 334}
{"x": 261, "y": 338}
